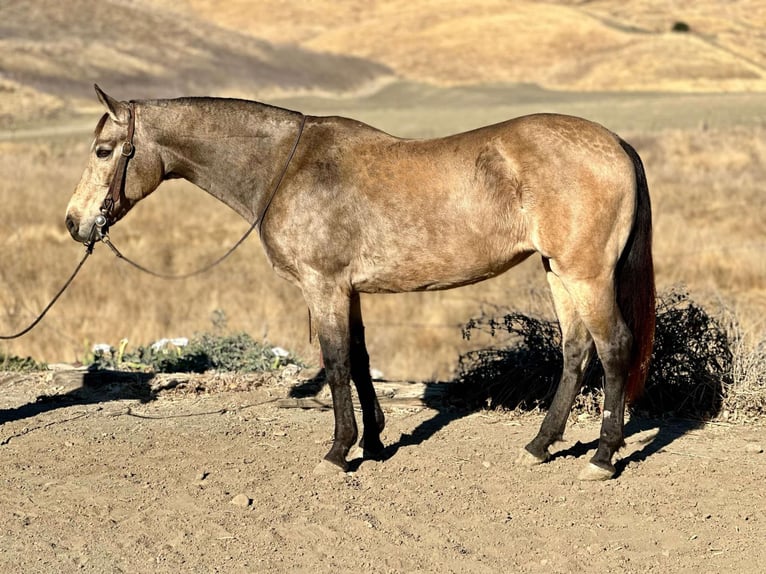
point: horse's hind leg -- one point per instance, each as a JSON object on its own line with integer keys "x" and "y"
{"x": 597, "y": 305}
{"x": 577, "y": 349}
{"x": 372, "y": 415}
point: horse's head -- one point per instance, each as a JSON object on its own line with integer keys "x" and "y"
{"x": 122, "y": 169}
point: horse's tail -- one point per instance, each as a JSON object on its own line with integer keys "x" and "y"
{"x": 635, "y": 283}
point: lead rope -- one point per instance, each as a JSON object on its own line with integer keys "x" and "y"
{"x": 209, "y": 266}
{"x": 88, "y": 251}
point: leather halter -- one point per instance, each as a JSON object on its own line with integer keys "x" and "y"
{"x": 115, "y": 191}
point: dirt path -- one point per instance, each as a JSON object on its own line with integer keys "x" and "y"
{"x": 106, "y": 480}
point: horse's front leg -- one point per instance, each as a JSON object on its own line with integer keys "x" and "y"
{"x": 332, "y": 311}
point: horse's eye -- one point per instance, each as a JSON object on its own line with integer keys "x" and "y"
{"x": 103, "y": 153}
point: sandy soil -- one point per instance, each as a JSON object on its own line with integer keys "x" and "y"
{"x": 208, "y": 474}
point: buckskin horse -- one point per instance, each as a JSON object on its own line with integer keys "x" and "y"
{"x": 343, "y": 208}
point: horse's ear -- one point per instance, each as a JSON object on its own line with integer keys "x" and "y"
{"x": 118, "y": 111}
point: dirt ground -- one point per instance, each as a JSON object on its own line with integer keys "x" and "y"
{"x": 209, "y": 473}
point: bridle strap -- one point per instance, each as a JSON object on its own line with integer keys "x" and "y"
{"x": 115, "y": 191}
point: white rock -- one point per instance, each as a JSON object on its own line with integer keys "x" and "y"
{"x": 241, "y": 500}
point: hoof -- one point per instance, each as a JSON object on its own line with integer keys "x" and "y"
{"x": 594, "y": 472}
{"x": 373, "y": 447}
{"x": 327, "y": 468}
{"x": 528, "y": 460}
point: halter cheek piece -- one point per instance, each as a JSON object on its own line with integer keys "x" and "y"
{"x": 115, "y": 191}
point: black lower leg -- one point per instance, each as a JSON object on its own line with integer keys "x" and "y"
{"x": 576, "y": 356}
{"x": 337, "y": 368}
{"x": 372, "y": 415}
{"x": 612, "y": 421}
{"x": 345, "y": 425}
{"x": 611, "y": 436}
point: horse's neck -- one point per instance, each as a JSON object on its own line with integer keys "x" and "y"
{"x": 232, "y": 149}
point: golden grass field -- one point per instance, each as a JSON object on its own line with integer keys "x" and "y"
{"x": 694, "y": 105}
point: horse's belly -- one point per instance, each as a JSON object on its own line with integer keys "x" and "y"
{"x": 431, "y": 269}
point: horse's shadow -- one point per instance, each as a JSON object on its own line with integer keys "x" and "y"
{"x": 89, "y": 387}
{"x": 661, "y": 433}
{"x": 450, "y": 405}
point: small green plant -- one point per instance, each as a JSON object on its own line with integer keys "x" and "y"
{"x": 20, "y": 364}
{"x": 204, "y": 352}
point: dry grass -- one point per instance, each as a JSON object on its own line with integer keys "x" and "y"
{"x": 709, "y": 227}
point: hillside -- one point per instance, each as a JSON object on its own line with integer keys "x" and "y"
{"x": 52, "y": 52}
{"x": 185, "y": 472}
{"x": 562, "y": 45}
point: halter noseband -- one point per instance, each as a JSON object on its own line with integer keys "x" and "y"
{"x": 113, "y": 194}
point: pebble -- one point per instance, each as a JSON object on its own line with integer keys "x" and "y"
{"x": 241, "y": 500}
{"x": 753, "y": 448}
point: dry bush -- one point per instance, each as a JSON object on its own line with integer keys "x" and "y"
{"x": 691, "y": 369}
{"x": 696, "y": 365}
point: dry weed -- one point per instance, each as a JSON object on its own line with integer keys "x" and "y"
{"x": 700, "y": 369}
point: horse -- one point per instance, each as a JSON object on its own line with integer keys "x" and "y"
{"x": 343, "y": 208}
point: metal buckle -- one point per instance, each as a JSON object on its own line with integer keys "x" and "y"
{"x": 127, "y": 149}
{"x": 100, "y": 221}
{"x": 101, "y": 227}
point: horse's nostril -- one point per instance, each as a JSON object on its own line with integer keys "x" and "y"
{"x": 71, "y": 224}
